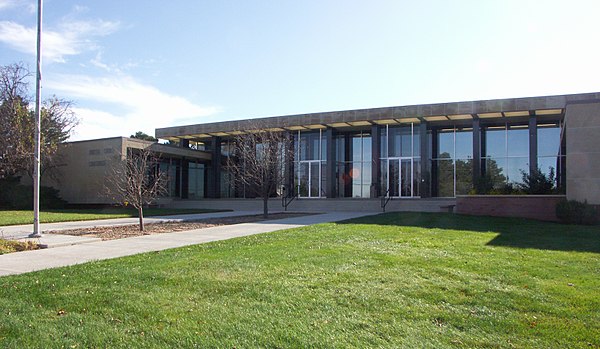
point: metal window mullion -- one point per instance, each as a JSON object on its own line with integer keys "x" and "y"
{"x": 454, "y": 158}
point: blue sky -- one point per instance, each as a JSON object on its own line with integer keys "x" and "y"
{"x": 138, "y": 65}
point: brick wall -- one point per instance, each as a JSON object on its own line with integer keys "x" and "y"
{"x": 540, "y": 207}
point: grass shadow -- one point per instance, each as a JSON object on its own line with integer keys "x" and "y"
{"x": 512, "y": 232}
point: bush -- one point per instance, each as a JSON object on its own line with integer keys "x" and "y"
{"x": 575, "y": 212}
{"x": 17, "y": 196}
{"x": 537, "y": 182}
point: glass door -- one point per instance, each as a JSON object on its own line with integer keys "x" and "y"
{"x": 309, "y": 179}
{"x": 399, "y": 176}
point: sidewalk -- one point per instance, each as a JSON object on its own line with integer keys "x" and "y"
{"x": 28, "y": 261}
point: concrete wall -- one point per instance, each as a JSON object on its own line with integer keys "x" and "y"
{"x": 540, "y": 207}
{"x": 582, "y": 121}
{"x": 320, "y": 205}
{"x": 86, "y": 165}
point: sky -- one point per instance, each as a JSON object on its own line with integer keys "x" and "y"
{"x": 139, "y": 65}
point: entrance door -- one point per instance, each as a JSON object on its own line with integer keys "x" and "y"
{"x": 309, "y": 179}
{"x": 399, "y": 176}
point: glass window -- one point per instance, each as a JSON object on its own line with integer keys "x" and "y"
{"x": 356, "y": 148}
{"x": 517, "y": 142}
{"x": 495, "y": 169}
{"x": 464, "y": 144}
{"x": 445, "y": 176}
{"x": 495, "y": 142}
{"x": 367, "y": 149}
{"x": 446, "y": 144}
{"x": 548, "y": 140}
{"x": 464, "y": 176}
{"x": 515, "y": 168}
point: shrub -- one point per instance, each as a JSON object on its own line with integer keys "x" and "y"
{"x": 575, "y": 212}
{"x": 17, "y": 196}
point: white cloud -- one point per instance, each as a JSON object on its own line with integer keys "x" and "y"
{"x": 144, "y": 107}
{"x": 70, "y": 38}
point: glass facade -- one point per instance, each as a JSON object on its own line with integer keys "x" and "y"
{"x": 354, "y": 164}
{"x": 505, "y": 154}
{"x": 310, "y": 164}
{"x": 400, "y": 161}
{"x": 449, "y": 159}
{"x": 551, "y": 154}
{"x": 452, "y": 161}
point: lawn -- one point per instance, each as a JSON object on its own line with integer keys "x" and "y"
{"x": 13, "y": 217}
{"x": 396, "y": 280}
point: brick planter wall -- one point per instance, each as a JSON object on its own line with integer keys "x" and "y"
{"x": 540, "y": 207}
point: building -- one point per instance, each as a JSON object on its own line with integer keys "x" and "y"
{"x": 86, "y": 166}
{"x": 422, "y": 156}
{"x": 421, "y": 151}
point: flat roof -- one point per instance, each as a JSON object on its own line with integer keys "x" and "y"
{"x": 437, "y": 112}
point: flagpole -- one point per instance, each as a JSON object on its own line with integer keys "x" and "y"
{"x": 36, "y": 155}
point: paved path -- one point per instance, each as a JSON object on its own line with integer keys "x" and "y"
{"x": 23, "y": 262}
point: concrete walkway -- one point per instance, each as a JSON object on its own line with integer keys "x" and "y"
{"x": 28, "y": 261}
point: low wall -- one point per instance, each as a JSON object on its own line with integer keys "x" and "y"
{"x": 319, "y": 205}
{"x": 540, "y": 207}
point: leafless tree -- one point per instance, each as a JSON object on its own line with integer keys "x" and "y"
{"x": 135, "y": 179}
{"x": 257, "y": 161}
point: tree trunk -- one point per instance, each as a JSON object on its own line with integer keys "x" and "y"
{"x": 141, "y": 217}
{"x": 265, "y": 206}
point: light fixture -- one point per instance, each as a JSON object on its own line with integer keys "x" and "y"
{"x": 490, "y": 115}
{"x": 460, "y": 117}
{"x": 548, "y": 111}
{"x": 436, "y": 118}
{"x": 339, "y": 124}
{"x": 409, "y": 120}
{"x": 296, "y": 128}
{"x": 385, "y": 121}
{"x": 510, "y": 114}
{"x": 360, "y": 123}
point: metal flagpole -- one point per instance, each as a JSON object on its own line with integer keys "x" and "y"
{"x": 36, "y": 156}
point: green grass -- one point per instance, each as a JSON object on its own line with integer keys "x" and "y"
{"x": 14, "y": 217}
{"x": 392, "y": 281}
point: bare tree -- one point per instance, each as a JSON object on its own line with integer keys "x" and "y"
{"x": 17, "y": 130}
{"x": 136, "y": 180}
{"x": 257, "y": 161}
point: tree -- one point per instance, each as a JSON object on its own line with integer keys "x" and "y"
{"x": 18, "y": 124}
{"x": 144, "y": 136}
{"x": 136, "y": 180}
{"x": 537, "y": 182}
{"x": 257, "y": 162}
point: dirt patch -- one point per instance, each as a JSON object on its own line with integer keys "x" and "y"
{"x": 9, "y": 246}
{"x": 126, "y": 231}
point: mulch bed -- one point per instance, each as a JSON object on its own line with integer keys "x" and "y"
{"x": 126, "y": 231}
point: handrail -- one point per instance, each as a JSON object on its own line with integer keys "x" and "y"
{"x": 385, "y": 199}
{"x": 286, "y": 200}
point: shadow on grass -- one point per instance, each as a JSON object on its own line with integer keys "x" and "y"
{"x": 512, "y": 232}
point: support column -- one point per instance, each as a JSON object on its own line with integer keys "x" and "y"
{"x": 533, "y": 149}
{"x": 348, "y": 149}
{"x": 288, "y": 180}
{"x": 476, "y": 150}
{"x": 214, "y": 188}
{"x": 185, "y": 171}
{"x": 331, "y": 164}
{"x": 425, "y": 187}
{"x": 375, "y": 161}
